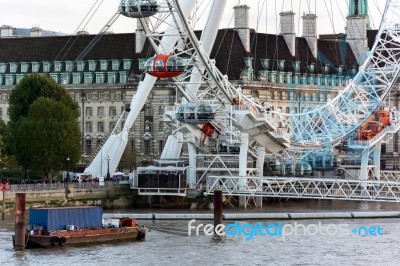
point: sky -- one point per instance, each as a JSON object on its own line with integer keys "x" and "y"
{"x": 66, "y": 16}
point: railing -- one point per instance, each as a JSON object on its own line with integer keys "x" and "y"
{"x": 41, "y": 186}
{"x": 36, "y": 186}
{"x": 162, "y": 191}
{"x": 298, "y": 187}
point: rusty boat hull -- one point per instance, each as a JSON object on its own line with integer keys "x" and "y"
{"x": 82, "y": 237}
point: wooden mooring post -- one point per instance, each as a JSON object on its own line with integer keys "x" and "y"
{"x": 217, "y": 208}
{"x": 3, "y": 213}
{"x": 19, "y": 243}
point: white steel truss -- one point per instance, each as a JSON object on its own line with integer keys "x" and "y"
{"x": 309, "y": 188}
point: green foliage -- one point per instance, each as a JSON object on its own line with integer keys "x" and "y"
{"x": 47, "y": 136}
{"x": 4, "y": 139}
{"x": 32, "y": 87}
{"x": 128, "y": 160}
{"x": 43, "y": 126}
{"x": 28, "y": 90}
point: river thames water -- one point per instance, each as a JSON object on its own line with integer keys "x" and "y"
{"x": 176, "y": 248}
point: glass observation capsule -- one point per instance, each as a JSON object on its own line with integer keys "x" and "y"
{"x": 195, "y": 113}
{"x": 138, "y": 8}
{"x": 165, "y": 66}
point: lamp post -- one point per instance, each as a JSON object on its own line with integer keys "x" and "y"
{"x": 68, "y": 169}
{"x": 108, "y": 169}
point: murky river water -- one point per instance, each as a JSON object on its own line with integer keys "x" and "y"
{"x": 162, "y": 248}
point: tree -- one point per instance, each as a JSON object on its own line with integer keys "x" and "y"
{"x": 128, "y": 159}
{"x": 47, "y": 136}
{"x": 28, "y": 90}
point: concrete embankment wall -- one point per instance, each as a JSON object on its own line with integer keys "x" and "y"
{"x": 109, "y": 196}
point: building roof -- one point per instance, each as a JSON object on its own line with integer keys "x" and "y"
{"x": 228, "y": 51}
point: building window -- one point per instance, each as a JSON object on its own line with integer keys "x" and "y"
{"x": 68, "y": 66}
{"x": 10, "y": 80}
{"x": 99, "y": 78}
{"x": 13, "y": 67}
{"x": 76, "y": 78}
{"x": 88, "y": 146}
{"x": 89, "y": 127}
{"x": 161, "y": 126}
{"x": 103, "y": 65}
{"x": 80, "y": 66}
{"x": 19, "y": 77}
{"x": 160, "y": 146}
{"x": 148, "y": 110}
{"x": 100, "y": 127}
{"x": 46, "y": 66}
{"x": 24, "y": 67}
{"x": 122, "y": 77}
{"x": 101, "y": 96}
{"x": 142, "y": 62}
{"x": 57, "y": 66}
{"x": 35, "y": 67}
{"x": 115, "y": 64}
{"x": 4, "y": 97}
{"x": 100, "y": 111}
{"x": 147, "y": 148}
{"x": 55, "y": 77}
{"x": 92, "y": 65}
{"x": 65, "y": 78}
{"x": 3, "y": 67}
{"x": 127, "y": 64}
{"x": 88, "y": 78}
{"x": 116, "y": 96}
{"x": 111, "y": 78}
{"x": 89, "y": 111}
{"x": 112, "y": 126}
{"x": 161, "y": 110}
{"x": 113, "y": 111}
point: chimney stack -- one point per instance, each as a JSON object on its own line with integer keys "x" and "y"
{"x": 36, "y": 31}
{"x": 288, "y": 31}
{"x": 242, "y": 24}
{"x": 356, "y": 28}
{"x": 140, "y": 37}
{"x": 6, "y": 31}
{"x": 310, "y": 32}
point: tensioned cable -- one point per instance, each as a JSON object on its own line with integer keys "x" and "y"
{"x": 330, "y": 16}
{"x": 76, "y": 30}
{"x": 298, "y": 28}
{"x": 340, "y": 10}
{"x": 94, "y": 12}
{"x": 336, "y": 45}
{"x": 232, "y": 40}
{"x": 371, "y": 17}
{"x": 223, "y": 37}
{"x": 255, "y": 37}
{"x": 276, "y": 54}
